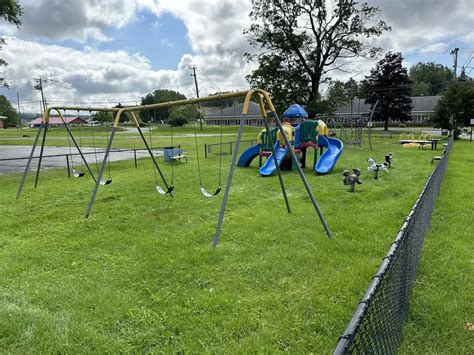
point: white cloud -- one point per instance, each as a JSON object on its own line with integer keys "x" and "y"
{"x": 72, "y": 20}
{"x": 83, "y": 76}
{"x": 435, "y": 48}
{"x": 214, "y": 31}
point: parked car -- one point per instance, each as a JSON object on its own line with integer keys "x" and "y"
{"x": 93, "y": 123}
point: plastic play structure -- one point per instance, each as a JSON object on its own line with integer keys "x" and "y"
{"x": 376, "y": 167}
{"x": 265, "y": 105}
{"x": 307, "y": 134}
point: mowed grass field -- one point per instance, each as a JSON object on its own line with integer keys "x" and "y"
{"x": 442, "y": 305}
{"x": 140, "y": 275}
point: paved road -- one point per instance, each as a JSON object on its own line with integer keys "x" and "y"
{"x": 61, "y": 138}
{"x": 14, "y": 158}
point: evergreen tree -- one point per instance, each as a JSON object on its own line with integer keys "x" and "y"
{"x": 389, "y": 86}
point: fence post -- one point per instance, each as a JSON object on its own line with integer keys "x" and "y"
{"x": 230, "y": 144}
{"x": 205, "y": 150}
{"x": 68, "y": 168}
{"x": 135, "y": 157}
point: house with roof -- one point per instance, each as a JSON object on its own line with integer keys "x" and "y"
{"x": 55, "y": 121}
{"x": 230, "y": 116}
{"x": 423, "y": 108}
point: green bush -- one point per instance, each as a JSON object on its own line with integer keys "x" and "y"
{"x": 178, "y": 121}
{"x": 402, "y": 125}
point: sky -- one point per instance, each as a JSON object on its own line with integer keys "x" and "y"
{"x": 100, "y": 52}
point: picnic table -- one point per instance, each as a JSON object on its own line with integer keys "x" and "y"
{"x": 422, "y": 142}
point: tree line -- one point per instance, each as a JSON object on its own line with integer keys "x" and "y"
{"x": 297, "y": 45}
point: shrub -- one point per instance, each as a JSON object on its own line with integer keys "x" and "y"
{"x": 178, "y": 121}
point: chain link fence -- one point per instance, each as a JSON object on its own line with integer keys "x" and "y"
{"x": 62, "y": 165}
{"x": 377, "y": 324}
{"x": 225, "y": 148}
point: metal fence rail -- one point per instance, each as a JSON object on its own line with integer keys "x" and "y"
{"x": 377, "y": 324}
{"x": 57, "y": 164}
{"x": 225, "y": 147}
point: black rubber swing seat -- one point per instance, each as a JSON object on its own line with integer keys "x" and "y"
{"x": 105, "y": 182}
{"x": 207, "y": 194}
{"x": 77, "y": 174}
{"x": 162, "y": 191}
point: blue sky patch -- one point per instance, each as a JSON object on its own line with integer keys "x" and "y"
{"x": 162, "y": 40}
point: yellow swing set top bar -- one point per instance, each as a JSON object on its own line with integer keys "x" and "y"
{"x": 248, "y": 94}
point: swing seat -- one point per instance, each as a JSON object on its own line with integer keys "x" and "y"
{"x": 77, "y": 174}
{"x": 207, "y": 194}
{"x": 164, "y": 192}
{"x": 105, "y": 182}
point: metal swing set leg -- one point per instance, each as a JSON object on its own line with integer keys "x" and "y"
{"x": 169, "y": 188}
{"x": 215, "y": 240}
{"x": 40, "y": 158}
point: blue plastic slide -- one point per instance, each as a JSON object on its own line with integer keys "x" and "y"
{"x": 248, "y": 155}
{"x": 269, "y": 168}
{"x": 329, "y": 158}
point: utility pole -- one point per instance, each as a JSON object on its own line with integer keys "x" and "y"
{"x": 454, "y": 53}
{"x": 19, "y": 112}
{"x": 193, "y": 68}
{"x": 39, "y": 87}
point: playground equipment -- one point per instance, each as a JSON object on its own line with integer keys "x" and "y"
{"x": 370, "y": 123}
{"x": 218, "y": 189}
{"x": 77, "y": 173}
{"x": 307, "y": 134}
{"x": 438, "y": 158}
{"x": 389, "y": 159}
{"x": 264, "y": 102}
{"x": 158, "y": 188}
{"x": 376, "y": 167}
{"x": 107, "y": 181}
{"x": 351, "y": 178}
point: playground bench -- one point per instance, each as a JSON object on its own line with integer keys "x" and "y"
{"x": 433, "y": 143}
{"x": 173, "y": 154}
{"x": 179, "y": 157}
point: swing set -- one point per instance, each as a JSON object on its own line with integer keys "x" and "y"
{"x": 264, "y": 103}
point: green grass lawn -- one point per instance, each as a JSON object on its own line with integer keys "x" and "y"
{"x": 140, "y": 275}
{"x": 161, "y": 136}
{"x": 442, "y": 304}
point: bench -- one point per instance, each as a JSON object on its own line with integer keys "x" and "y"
{"x": 386, "y": 134}
{"x": 173, "y": 154}
{"x": 179, "y": 157}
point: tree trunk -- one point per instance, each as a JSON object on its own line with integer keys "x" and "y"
{"x": 385, "y": 127}
{"x": 313, "y": 97}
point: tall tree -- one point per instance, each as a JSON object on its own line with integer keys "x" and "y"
{"x": 388, "y": 85}
{"x": 7, "y": 110}
{"x": 101, "y": 116}
{"x": 180, "y": 115}
{"x": 158, "y": 96}
{"x": 343, "y": 92}
{"x": 420, "y": 88}
{"x": 299, "y": 42}
{"x": 337, "y": 92}
{"x": 435, "y": 76}
{"x": 11, "y": 11}
{"x": 456, "y": 106}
